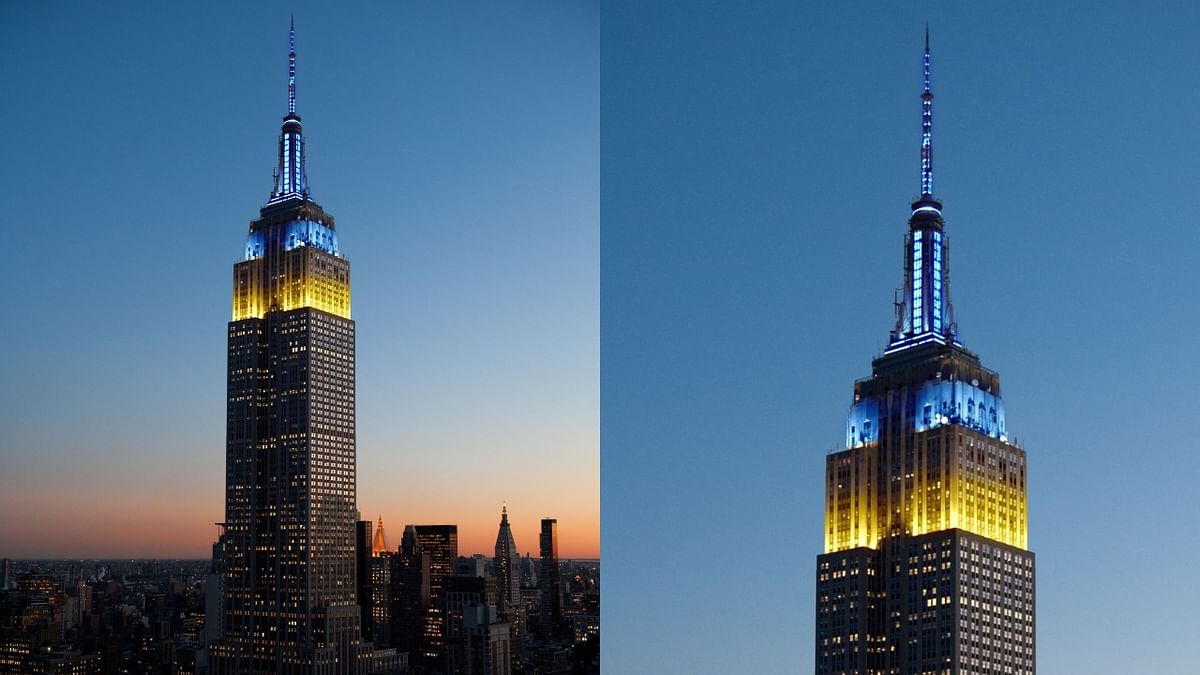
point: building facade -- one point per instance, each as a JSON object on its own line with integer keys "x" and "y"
{"x": 549, "y": 582}
{"x": 507, "y": 564}
{"x": 439, "y": 544}
{"x": 409, "y": 595}
{"x": 926, "y": 567}
{"x": 289, "y": 530}
{"x": 363, "y": 557}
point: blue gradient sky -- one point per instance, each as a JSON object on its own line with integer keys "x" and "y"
{"x": 458, "y": 149}
{"x": 758, "y": 164}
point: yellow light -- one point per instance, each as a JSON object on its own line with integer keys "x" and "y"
{"x": 301, "y": 277}
{"x": 953, "y": 492}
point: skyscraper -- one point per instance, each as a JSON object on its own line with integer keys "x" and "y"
{"x": 925, "y": 567}
{"x": 290, "y": 437}
{"x": 507, "y": 564}
{"x": 364, "y": 555}
{"x": 409, "y": 597}
{"x": 439, "y": 543}
{"x": 550, "y": 611}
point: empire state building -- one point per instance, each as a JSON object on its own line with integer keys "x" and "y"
{"x": 289, "y": 531}
{"x": 926, "y": 567}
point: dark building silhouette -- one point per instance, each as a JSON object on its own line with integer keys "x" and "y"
{"x": 289, "y": 591}
{"x": 409, "y": 598}
{"x": 440, "y": 544}
{"x": 363, "y": 557}
{"x": 925, "y": 567}
{"x": 549, "y": 582}
{"x": 381, "y": 599}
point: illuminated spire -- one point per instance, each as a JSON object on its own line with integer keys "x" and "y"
{"x": 379, "y": 542}
{"x": 292, "y": 66}
{"x": 291, "y": 180}
{"x": 923, "y": 312}
{"x": 927, "y": 129}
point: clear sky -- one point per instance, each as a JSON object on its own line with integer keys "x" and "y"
{"x": 759, "y": 159}
{"x": 458, "y": 149}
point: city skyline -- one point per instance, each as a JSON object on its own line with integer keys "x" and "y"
{"x": 477, "y": 316}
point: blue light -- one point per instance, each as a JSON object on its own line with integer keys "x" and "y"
{"x": 918, "y": 263}
{"x": 255, "y": 245}
{"x": 293, "y": 235}
{"x": 287, "y": 164}
{"x": 862, "y": 426}
{"x": 937, "y": 281}
{"x": 958, "y": 402}
{"x": 310, "y": 233}
{"x": 934, "y": 405}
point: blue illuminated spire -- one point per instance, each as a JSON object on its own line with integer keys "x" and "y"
{"x": 292, "y": 67}
{"x": 927, "y": 129}
{"x": 290, "y": 178}
{"x": 925, "y": 313}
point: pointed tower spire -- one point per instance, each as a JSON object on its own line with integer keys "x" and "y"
{"x": 924, "y": 312}
{"x": 292, "y": 67}
{"x": 379, "y": 543}
{"x": 927, "y": 129}
{"x": 291, "y": 180}
{"x": 507, "y": 563}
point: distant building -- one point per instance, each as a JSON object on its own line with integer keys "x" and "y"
{"x": 475, "y": 566}
{"x": 552, "y": 659}
{"x": 381, "y": 600}
{"x": 39, "y": 583}
{"x": 387, "y": 661}
{"x": 463, "y": 591}
{"x": 550, "y": 613}
{"x": 409, "y": 595}
{"x": 485, "y": 643}
{"x": 440, "y": 544}
{"x": 379, "y": 542}
{"x": 529, "y": 571}
{"x": 214, "y": 603}
{"x": 69, "y": 662}
{"x": 507, "y": 563}
{"x": 363, "y": 555}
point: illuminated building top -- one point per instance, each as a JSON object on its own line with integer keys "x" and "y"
{"x": 291, "y": 257}
{"x": 926, "y": 515}
{"x": 379, "y": 544}
{"x": 927, "y": 446}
